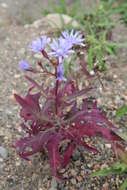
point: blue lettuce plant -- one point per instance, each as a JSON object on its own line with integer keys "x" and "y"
{"x": 52, "y": 117}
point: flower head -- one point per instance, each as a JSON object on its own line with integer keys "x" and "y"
{"x": 24, "y": 65}
{"x": 39, "y": 44}
{"x": 74, "y": 38}
{"x": 61, "y": 49}
{"x": 60, "y": 72}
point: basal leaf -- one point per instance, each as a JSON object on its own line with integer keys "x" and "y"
{"x": 68, "y": 153}
{"x": 55, "y": 159}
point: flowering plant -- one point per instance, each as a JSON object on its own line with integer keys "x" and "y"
{"x": 59, "y": 120}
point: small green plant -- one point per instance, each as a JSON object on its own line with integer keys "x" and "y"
{"x": 122, "y": 10}
{"x": 62, "y": 8}
{"x": 96, "y": 25}
{"x": 119, "y": 167}
{"x": 121, "y": 112}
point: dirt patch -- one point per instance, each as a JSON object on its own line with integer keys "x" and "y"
{"x": 16, "y": 174}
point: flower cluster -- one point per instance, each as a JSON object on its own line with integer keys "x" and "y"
{"x": 60, "y": 49}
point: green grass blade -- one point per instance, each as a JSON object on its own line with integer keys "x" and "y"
{"x": 122, "y": 111}
{"x": 124, "y": 185}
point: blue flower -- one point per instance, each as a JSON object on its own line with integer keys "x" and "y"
{"x": 60, "y": 72}
{"x": 24, "y": 65}
{"x": 61, "y": 49}
{"x": 74, "y": 38}
{"x": 39, "y": 44}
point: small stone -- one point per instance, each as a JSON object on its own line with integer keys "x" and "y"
{"x": 17, "y": 76}
{"x": 4, "y": 5}
{"x": 53, "y": 184}
{"x": 62, "y": 171}
{"x": 115, "y": 76}
{"x": 78, "y": 163}
{"x": 92, "y": 72}
{"x": 38, "y": 56}
{"x": 89, "y": 165}
{"x": 117, "y": 100}
{"x": 108, "y": 145}
{"x": 79, "y": 178}
{"x": 82, "y": 173}
{"x": 1, "y": 160}
{"x": 55, "y": 21}
{"x": 73, "y": 172}
{"x": 73, "y": 181}
{"x": 3, "y": 152}
{"x": 96, "y": 167}
{"x": 22, "y": 51}
{"x": 104, "y": 166}
{"x": 106, "y": 186}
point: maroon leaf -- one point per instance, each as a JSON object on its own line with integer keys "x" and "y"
{"x": 53, "y": 153}
{"x": 32, "y": 144}
{"x": 30, "y": 106}
{"x": 68, "y": 153}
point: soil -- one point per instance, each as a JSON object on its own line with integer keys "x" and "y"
{"x": 17, "y": 174}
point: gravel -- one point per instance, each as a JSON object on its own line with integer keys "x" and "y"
{"x": 15, "y": 173}
{"x": 3, "y": 152}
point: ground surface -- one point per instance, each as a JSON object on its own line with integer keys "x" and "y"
{"x": 16, "y": 174}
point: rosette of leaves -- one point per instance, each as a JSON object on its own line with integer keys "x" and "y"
{"x": 47, "y": 131}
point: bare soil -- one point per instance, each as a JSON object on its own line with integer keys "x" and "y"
{"x": 16, "y": 174}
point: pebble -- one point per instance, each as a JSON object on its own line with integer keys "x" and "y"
{"x": 89, "y": 165}
{"x": 92, "y": 72}
{"x": 108, "y": 145}
{"x": 4, "y": 5}
{"x": 53, "y": 184}
{"x": 115, "y": 76}
{"x": 78, "y": 163}
{"x": 3, "y": 152}
{"x": 62, "y": 171}
{"x": 76, "y": 156}
{"x": 96, "y": 167}
{"x": 38, "y": 56}
{"x": 79, "y": 178}
{"x": 104, "y": 166}
{"x": 73, "y": 181}
{"x": 117, "y": 100}
{"x": 73, "y": 172}
{"x": 82, "y": 173}
{"x": 106, "y": 186}
{"x": 54, "y": 20}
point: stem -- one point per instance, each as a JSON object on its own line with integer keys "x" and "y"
{"x": 56, "y": 93}
{"x": 56, "y": 106}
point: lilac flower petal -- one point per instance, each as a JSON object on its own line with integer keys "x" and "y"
{"x": 24, "y": 65}
{"x": 60, "y": 49}
{"x": 74, "y": 38}
{"x": 39, "y": 44}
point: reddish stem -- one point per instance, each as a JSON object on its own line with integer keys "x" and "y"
{"x": 56, "y": 93}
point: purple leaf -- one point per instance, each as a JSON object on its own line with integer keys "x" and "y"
{"x": 68, "y": 153}
{"x": 32, "y": 144}
{"x": 30, "y": 106}
{"x": 53, "y": 153}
